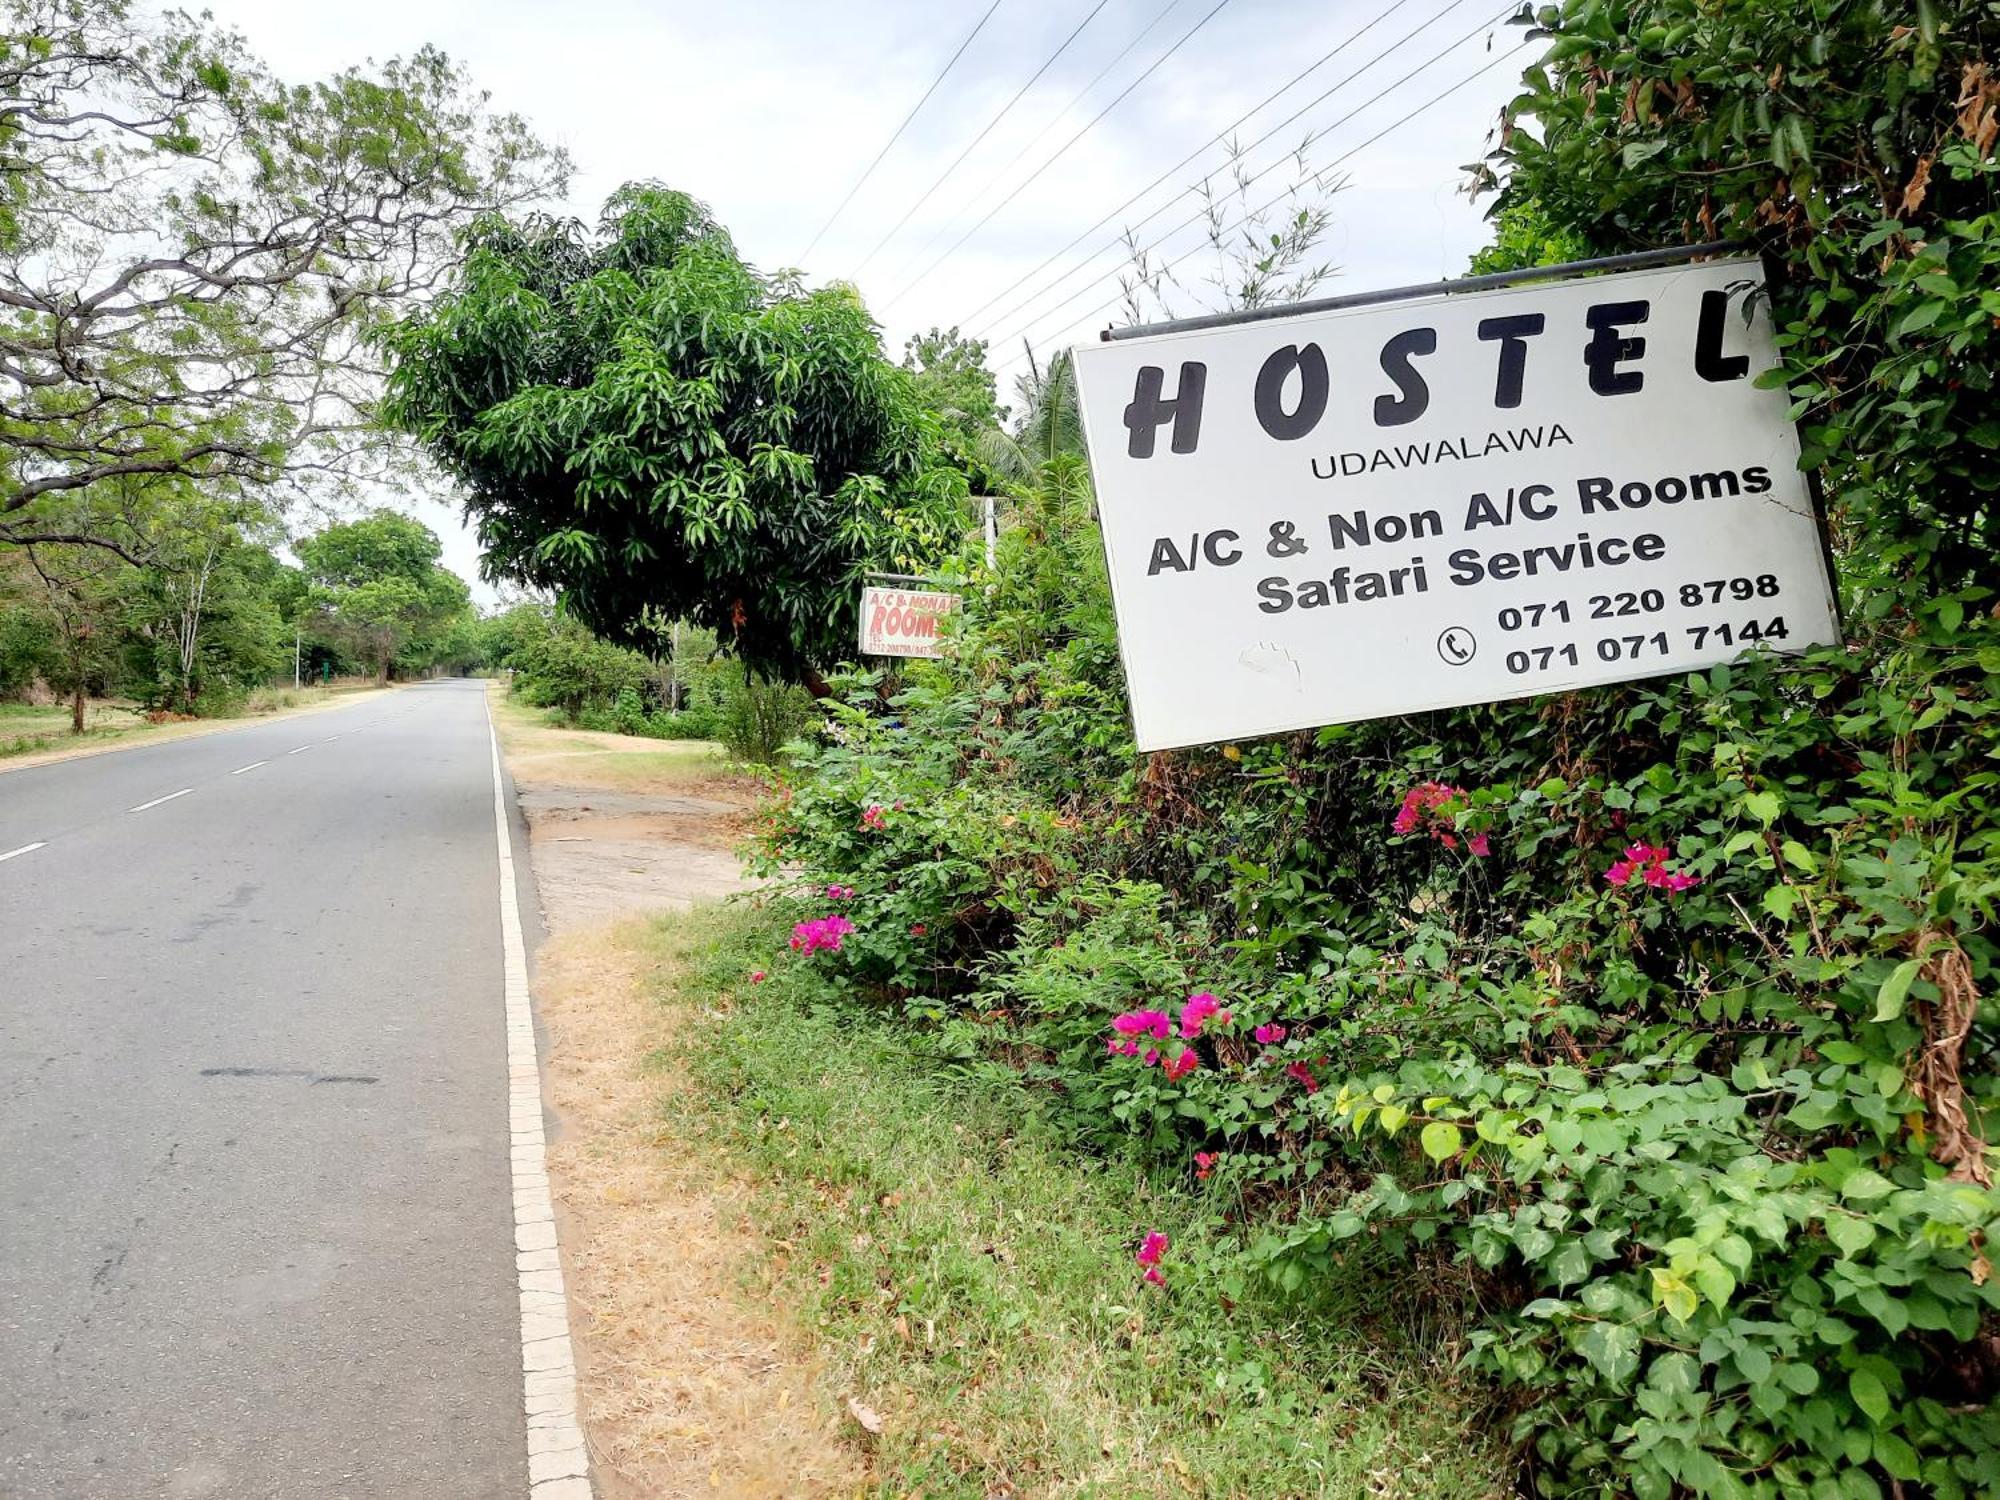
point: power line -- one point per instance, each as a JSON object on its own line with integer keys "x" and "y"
{"x": 1316, "y": 136}
{"x": 1005, "y": 110}
{"x": 1395, "y": 124}
{"x": 1306, "y": 145}
{"x": 1021, "y": 187}
{"x": 1054, "y": 120}
{"x": 902, "y": 127}
{"x": 1220, "y": 135}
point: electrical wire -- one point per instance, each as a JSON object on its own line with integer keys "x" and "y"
{"x": 1021, "y": 187}
{"x": 958, "y": 161}
{"x": 1054, "y": 120}
{"x": 953, "y": 62}
{"x": 1257, "y": 176}
{"x": 1395, "y": 124}
{"x": 1221, "y": 135}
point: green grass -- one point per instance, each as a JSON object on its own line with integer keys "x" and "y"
{"x": 26, "y": 728}
{"x": 970, "y": 1277}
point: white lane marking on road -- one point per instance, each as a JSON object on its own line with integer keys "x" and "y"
{"x": 300, "y": 751}
{"x": 558, "y": 1463}
{"x": 251, "y": 767}
{"x": 24, "y": 849}
{"x": 158, "y": 800}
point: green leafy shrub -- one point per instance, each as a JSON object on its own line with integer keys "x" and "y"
{"x": 759, "y": 715}
{"x": 1712, "y": 1157}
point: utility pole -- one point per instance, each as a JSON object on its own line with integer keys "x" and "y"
{"x": 992, "y": 529}
{"x": 297, "y": 636}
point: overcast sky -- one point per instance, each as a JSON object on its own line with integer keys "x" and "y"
{"x": 770, "y": 110}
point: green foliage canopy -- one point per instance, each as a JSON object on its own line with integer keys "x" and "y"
{"x": 379, "y": 586}
{"x": 1854, "y": 143}
{"x": 645, "y": 425}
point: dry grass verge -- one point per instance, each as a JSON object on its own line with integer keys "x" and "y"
{"x": 688, "y": 1389}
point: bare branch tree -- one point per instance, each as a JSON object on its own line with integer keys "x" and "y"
{"x": 195, "y": 258}
{"x": 1258, "y": 255}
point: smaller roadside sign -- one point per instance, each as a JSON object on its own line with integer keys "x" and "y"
{"x": 903, "y": 622}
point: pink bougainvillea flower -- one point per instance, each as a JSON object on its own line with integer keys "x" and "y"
{"x": 840, "y": 893}
{"x": 1152, "y": 1248}
{"x": 1153, "y": 1275}
{"x": 1303, "y": 1074}
{"x": 1430, "y": 804}
{"x": 1647, "y": 863}
{"x": 1152, "y": 1056}
{"x": 821, "y": 933}
{"x": 872, "y": 817}
{"x": 1197, "y": 1010}
{"x": 1270, "y": 1034}
{"x": 757, "y": 976}
{"x": 917, "y": 929}
{"x": 1178, "y": 1068}
{"x": 1204, "y": 1163}
{"x": 1143, "y": 1023}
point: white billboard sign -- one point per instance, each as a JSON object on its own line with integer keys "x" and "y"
{"x": 1449, "y": 499}
{"x": 903, "y": 622}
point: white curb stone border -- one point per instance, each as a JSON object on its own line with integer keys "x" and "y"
{"x": 558, "y": 1464}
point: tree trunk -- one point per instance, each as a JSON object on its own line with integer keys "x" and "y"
{"x": 76, "y": 706}
{"x": 816, "y": 684}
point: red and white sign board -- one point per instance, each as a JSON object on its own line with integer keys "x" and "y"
{"x": 903, "y": 622}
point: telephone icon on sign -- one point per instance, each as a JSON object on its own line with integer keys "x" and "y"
{"x": 1456, "y": 646}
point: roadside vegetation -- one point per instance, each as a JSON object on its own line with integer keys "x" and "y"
{"x": 959, "y": 1259}
{"x": 1646, "y": 1033}
{"x": 196, "y": 257}
{"x": 32, "y": 730}
{"x": 92, "y": 644}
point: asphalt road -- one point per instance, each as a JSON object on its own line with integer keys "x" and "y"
{"x": 256, "y": 1235}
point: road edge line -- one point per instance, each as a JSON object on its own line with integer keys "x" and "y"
{"x": 558, "y": 1461}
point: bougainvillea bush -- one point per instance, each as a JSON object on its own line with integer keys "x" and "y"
{"x": 1652, "y": 1027}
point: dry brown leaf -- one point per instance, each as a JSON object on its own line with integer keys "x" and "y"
{"x": 1981, "y": 1269}
{"x": 1918, "y": 185}
{"x": 866, "y": 1417}
{"x": 1979, "y": 107}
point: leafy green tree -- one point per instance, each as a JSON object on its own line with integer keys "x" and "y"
{"x": 1524, "y": 235}
{"x": 953, "y": 381}
{"x": 1855, "y": 144}
{"x": 379, "y": 588}
{"x": 192, "y": 254}
{"x": 649, "y": 428}
{"x": 202, "y": 618}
